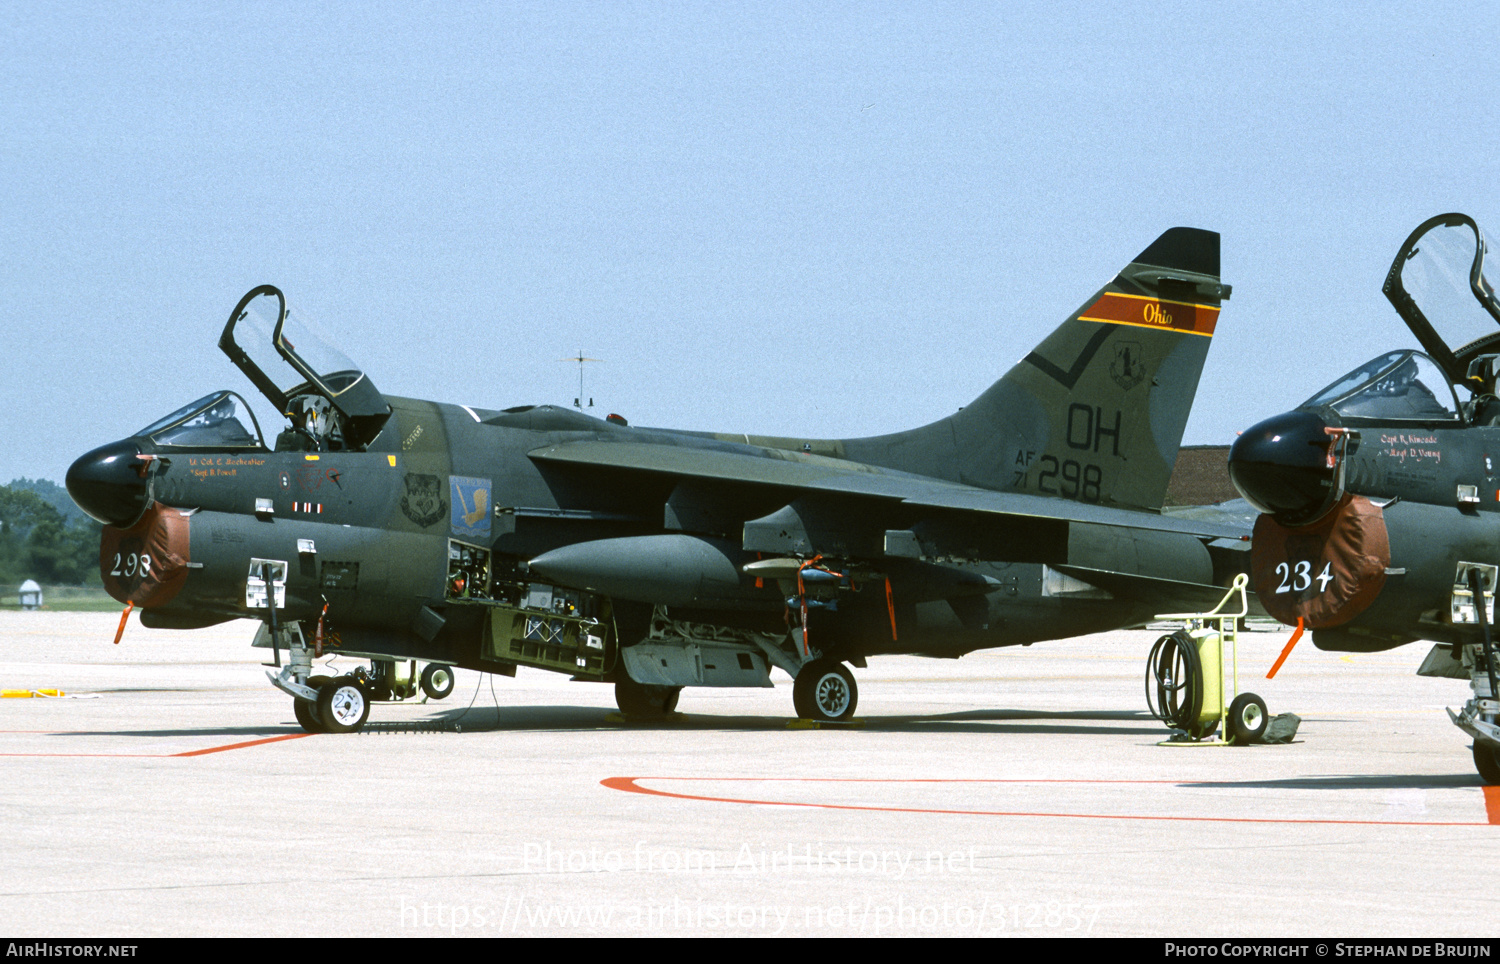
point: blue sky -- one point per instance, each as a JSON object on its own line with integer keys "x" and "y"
{"x": 810, "y": 219}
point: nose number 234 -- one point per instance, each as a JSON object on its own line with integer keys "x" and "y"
{"x": 1295, "y": 578}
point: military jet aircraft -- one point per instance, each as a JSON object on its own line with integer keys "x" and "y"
{"x": 398, "y": 530}
{"x": 1381, "y": 493}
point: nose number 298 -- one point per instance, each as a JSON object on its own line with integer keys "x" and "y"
{"x": 131, "y": 565}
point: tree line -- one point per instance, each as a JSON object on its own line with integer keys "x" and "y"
{"x": 44, "y": 536}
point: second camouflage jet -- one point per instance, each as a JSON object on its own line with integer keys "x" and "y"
{"x": 398, "y": 530}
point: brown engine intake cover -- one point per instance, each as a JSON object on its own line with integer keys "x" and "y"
{"x": 147, "y": 563}
{"x": 1325, "y": 573}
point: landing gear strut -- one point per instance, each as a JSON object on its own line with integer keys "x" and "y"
{"x": 1481, "y": 715}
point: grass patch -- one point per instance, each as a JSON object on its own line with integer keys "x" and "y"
{"x": 77, "y": 599}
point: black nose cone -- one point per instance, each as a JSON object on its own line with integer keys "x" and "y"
{"x": 1281, "y": 467}
{"x": 109, "y": 485}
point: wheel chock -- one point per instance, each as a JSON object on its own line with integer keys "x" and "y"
{"x": 805, "y": 724}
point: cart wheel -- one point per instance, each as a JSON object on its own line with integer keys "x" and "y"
{"x": 1487, "y": 762}
{"x": 1247, "y": 719}
{"x": 437, "y": 680}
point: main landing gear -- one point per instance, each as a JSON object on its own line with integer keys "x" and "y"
{"x": 645, "y": 701}
{"x": 824, "y": 691}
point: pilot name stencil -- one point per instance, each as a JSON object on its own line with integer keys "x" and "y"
{"x": 1402, "y": 447}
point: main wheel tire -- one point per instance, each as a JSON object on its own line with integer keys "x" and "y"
{"x": 437, "y": 681}
{"x": 1487, "y": 762}
{"x": 1248, "y": 719}
{"x": 343, "y": 705}
{"x": 644, "y": 701}
{"x": 824, "y": 690}
{"x": 306, "y": 712}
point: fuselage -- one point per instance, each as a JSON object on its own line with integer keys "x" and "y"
{"x": 369, "y": 535}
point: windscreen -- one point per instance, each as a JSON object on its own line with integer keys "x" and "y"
{"x": 218, "y": 421}
{"x": 1397, "y": 386}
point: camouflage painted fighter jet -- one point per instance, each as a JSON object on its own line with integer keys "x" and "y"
{"x": 398, "y": 530}
{"x": 1381, "y": 493}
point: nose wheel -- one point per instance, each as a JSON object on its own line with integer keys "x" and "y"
{"x": 327, "y": 704}
{"x": 1487, "y": 762}
{"x": 306, "y": 712}
{"x": 343, "y": 705}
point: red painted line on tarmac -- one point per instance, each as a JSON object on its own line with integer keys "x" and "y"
{"x": 629, "y": 785}
{"x": 163, "y": 756}
{"x": 241, "y": 746}
{"x": 154, "y": 756}
{"x": 1492, "y": 803}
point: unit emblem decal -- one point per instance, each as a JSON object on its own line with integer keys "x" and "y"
{"x": 422, "y": 499}
{"x": 471, "y": 506}
{"x": 1127, "y": 369}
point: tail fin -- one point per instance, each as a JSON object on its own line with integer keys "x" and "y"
{"x": 1096, "y": 412}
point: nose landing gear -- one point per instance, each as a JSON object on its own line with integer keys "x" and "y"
{"x": 1473, "y": 601}
{"x": 326, "y": 704}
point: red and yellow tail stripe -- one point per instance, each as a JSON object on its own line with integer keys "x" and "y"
{"x": 1116, "y": 308}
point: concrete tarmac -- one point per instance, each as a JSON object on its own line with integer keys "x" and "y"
{"x": 1013, "y": 792}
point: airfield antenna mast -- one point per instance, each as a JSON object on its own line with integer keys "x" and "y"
{"x": 580, "y": 359}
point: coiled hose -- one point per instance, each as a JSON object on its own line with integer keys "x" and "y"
{"x": 1174, "y": 684}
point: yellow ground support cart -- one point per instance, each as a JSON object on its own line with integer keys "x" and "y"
{"x": 1185, "y": 678}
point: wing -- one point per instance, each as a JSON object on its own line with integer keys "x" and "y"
{"x": 848, "y": 510}
{"x": 815, "y": 474}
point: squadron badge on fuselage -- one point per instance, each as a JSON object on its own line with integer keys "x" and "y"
{"x": 422, "y": 500}
{"x": 471, "y": 507}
